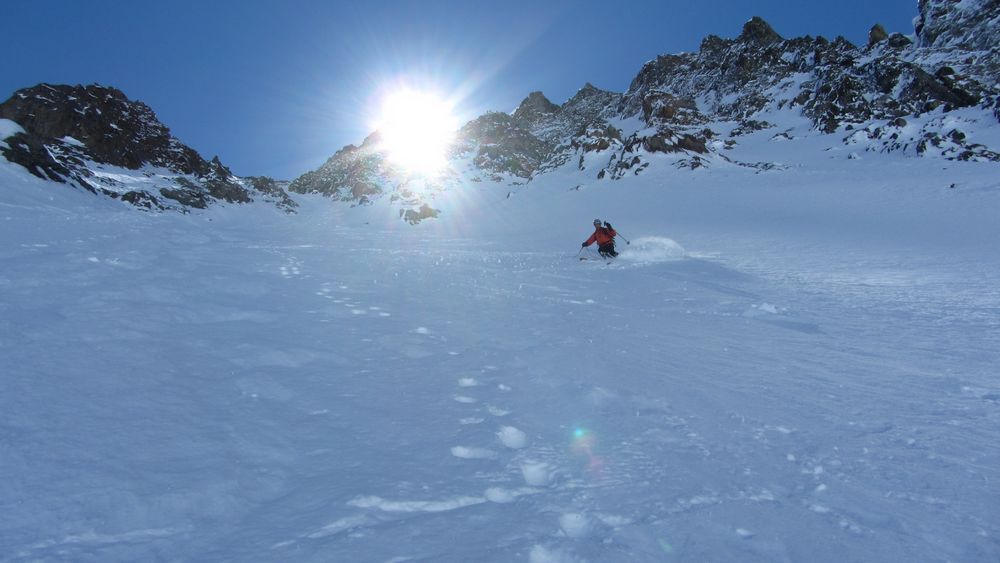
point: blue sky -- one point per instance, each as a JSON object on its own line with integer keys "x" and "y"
{"x": 275, "y": 88}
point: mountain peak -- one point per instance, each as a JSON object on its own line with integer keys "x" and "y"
{"x": 756, "y": 30}
{"x": 713, "y": 44}
{"x": 588, "y": 91}
{"x": 115, "y": 129}
{"x": 68, "y": 129}
{"x": 534, "y": 106}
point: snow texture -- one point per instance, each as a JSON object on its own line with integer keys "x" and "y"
{"x": 790, "y": 364}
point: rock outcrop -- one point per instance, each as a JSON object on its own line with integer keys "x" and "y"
{"x": 78, "y": 134}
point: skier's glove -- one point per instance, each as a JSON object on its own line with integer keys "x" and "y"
{"x": 584, "y": 245}
{"x": 608, "y": 225}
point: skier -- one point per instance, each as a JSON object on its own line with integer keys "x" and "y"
{"x": 605, "y": 239}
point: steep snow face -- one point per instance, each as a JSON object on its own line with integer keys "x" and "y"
{"x": 793, "y": 364}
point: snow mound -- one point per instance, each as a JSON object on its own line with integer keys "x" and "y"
{"x": 575, "y": 525}
{"x": 653, "y": 249}
{"x": 536, "y": 474}
{"x": 512, "y": 437}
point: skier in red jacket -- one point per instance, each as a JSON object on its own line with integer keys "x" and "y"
{"x": 605, "y": 239}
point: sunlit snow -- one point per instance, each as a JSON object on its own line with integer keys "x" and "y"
{"x": 795, "y": 364}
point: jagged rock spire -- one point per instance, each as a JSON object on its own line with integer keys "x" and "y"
{"x": 534, "y": 106}
{"x": 876, "y": 34}
{"x": 758, "y": 31}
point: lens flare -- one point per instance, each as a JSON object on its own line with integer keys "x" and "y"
{"x": 584, "y": 444}
{"x": 666, "y": 547}
{"x": 416, "y": 128}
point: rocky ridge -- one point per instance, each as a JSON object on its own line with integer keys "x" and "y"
{"x": 95, "y": 138}
{"x": 918, "y": 94}
{"x": 894, "y": 94}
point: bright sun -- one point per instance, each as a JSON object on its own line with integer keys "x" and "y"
{"x": 416, "y": 129}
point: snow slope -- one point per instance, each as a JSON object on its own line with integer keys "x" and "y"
{"x": 795, "y": 365}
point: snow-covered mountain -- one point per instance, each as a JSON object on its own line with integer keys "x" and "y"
{"x": 794, "y": 365}
{"x": 926, "y": 94}
{"x": 97, "y": 139}
{"x": 794, "y": 358}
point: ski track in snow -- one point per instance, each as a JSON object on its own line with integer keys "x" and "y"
{"x": 218, "y": 393}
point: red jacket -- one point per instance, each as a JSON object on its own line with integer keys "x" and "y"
{"x": 602, "y": 236}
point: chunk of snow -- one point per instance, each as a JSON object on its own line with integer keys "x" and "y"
{"x": 512, "y": 437}
{"x": 72, "y": 141}
{"x": 472, "y": 453}
{"x": 575, "y": 525}
{"x": 498, "y": 495}
{"x": 768, "y": 308}
{"x": 536, "y": 474}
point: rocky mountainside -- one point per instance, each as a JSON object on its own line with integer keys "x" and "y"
{"x": 968, "y": 25}
{"x": 923, "y": 94}
{"x": 897, "y": 93}
{"x": 94, "y": 137}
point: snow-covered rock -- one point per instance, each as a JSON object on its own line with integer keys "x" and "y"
{"x": 96, "y": 138}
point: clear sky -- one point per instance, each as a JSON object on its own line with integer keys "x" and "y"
{"x": 276, "y": 87}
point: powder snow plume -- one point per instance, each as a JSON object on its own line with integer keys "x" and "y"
{"x": 652, "y": 249}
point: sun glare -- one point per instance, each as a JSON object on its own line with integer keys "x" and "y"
{"x": 416, "y": 128}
